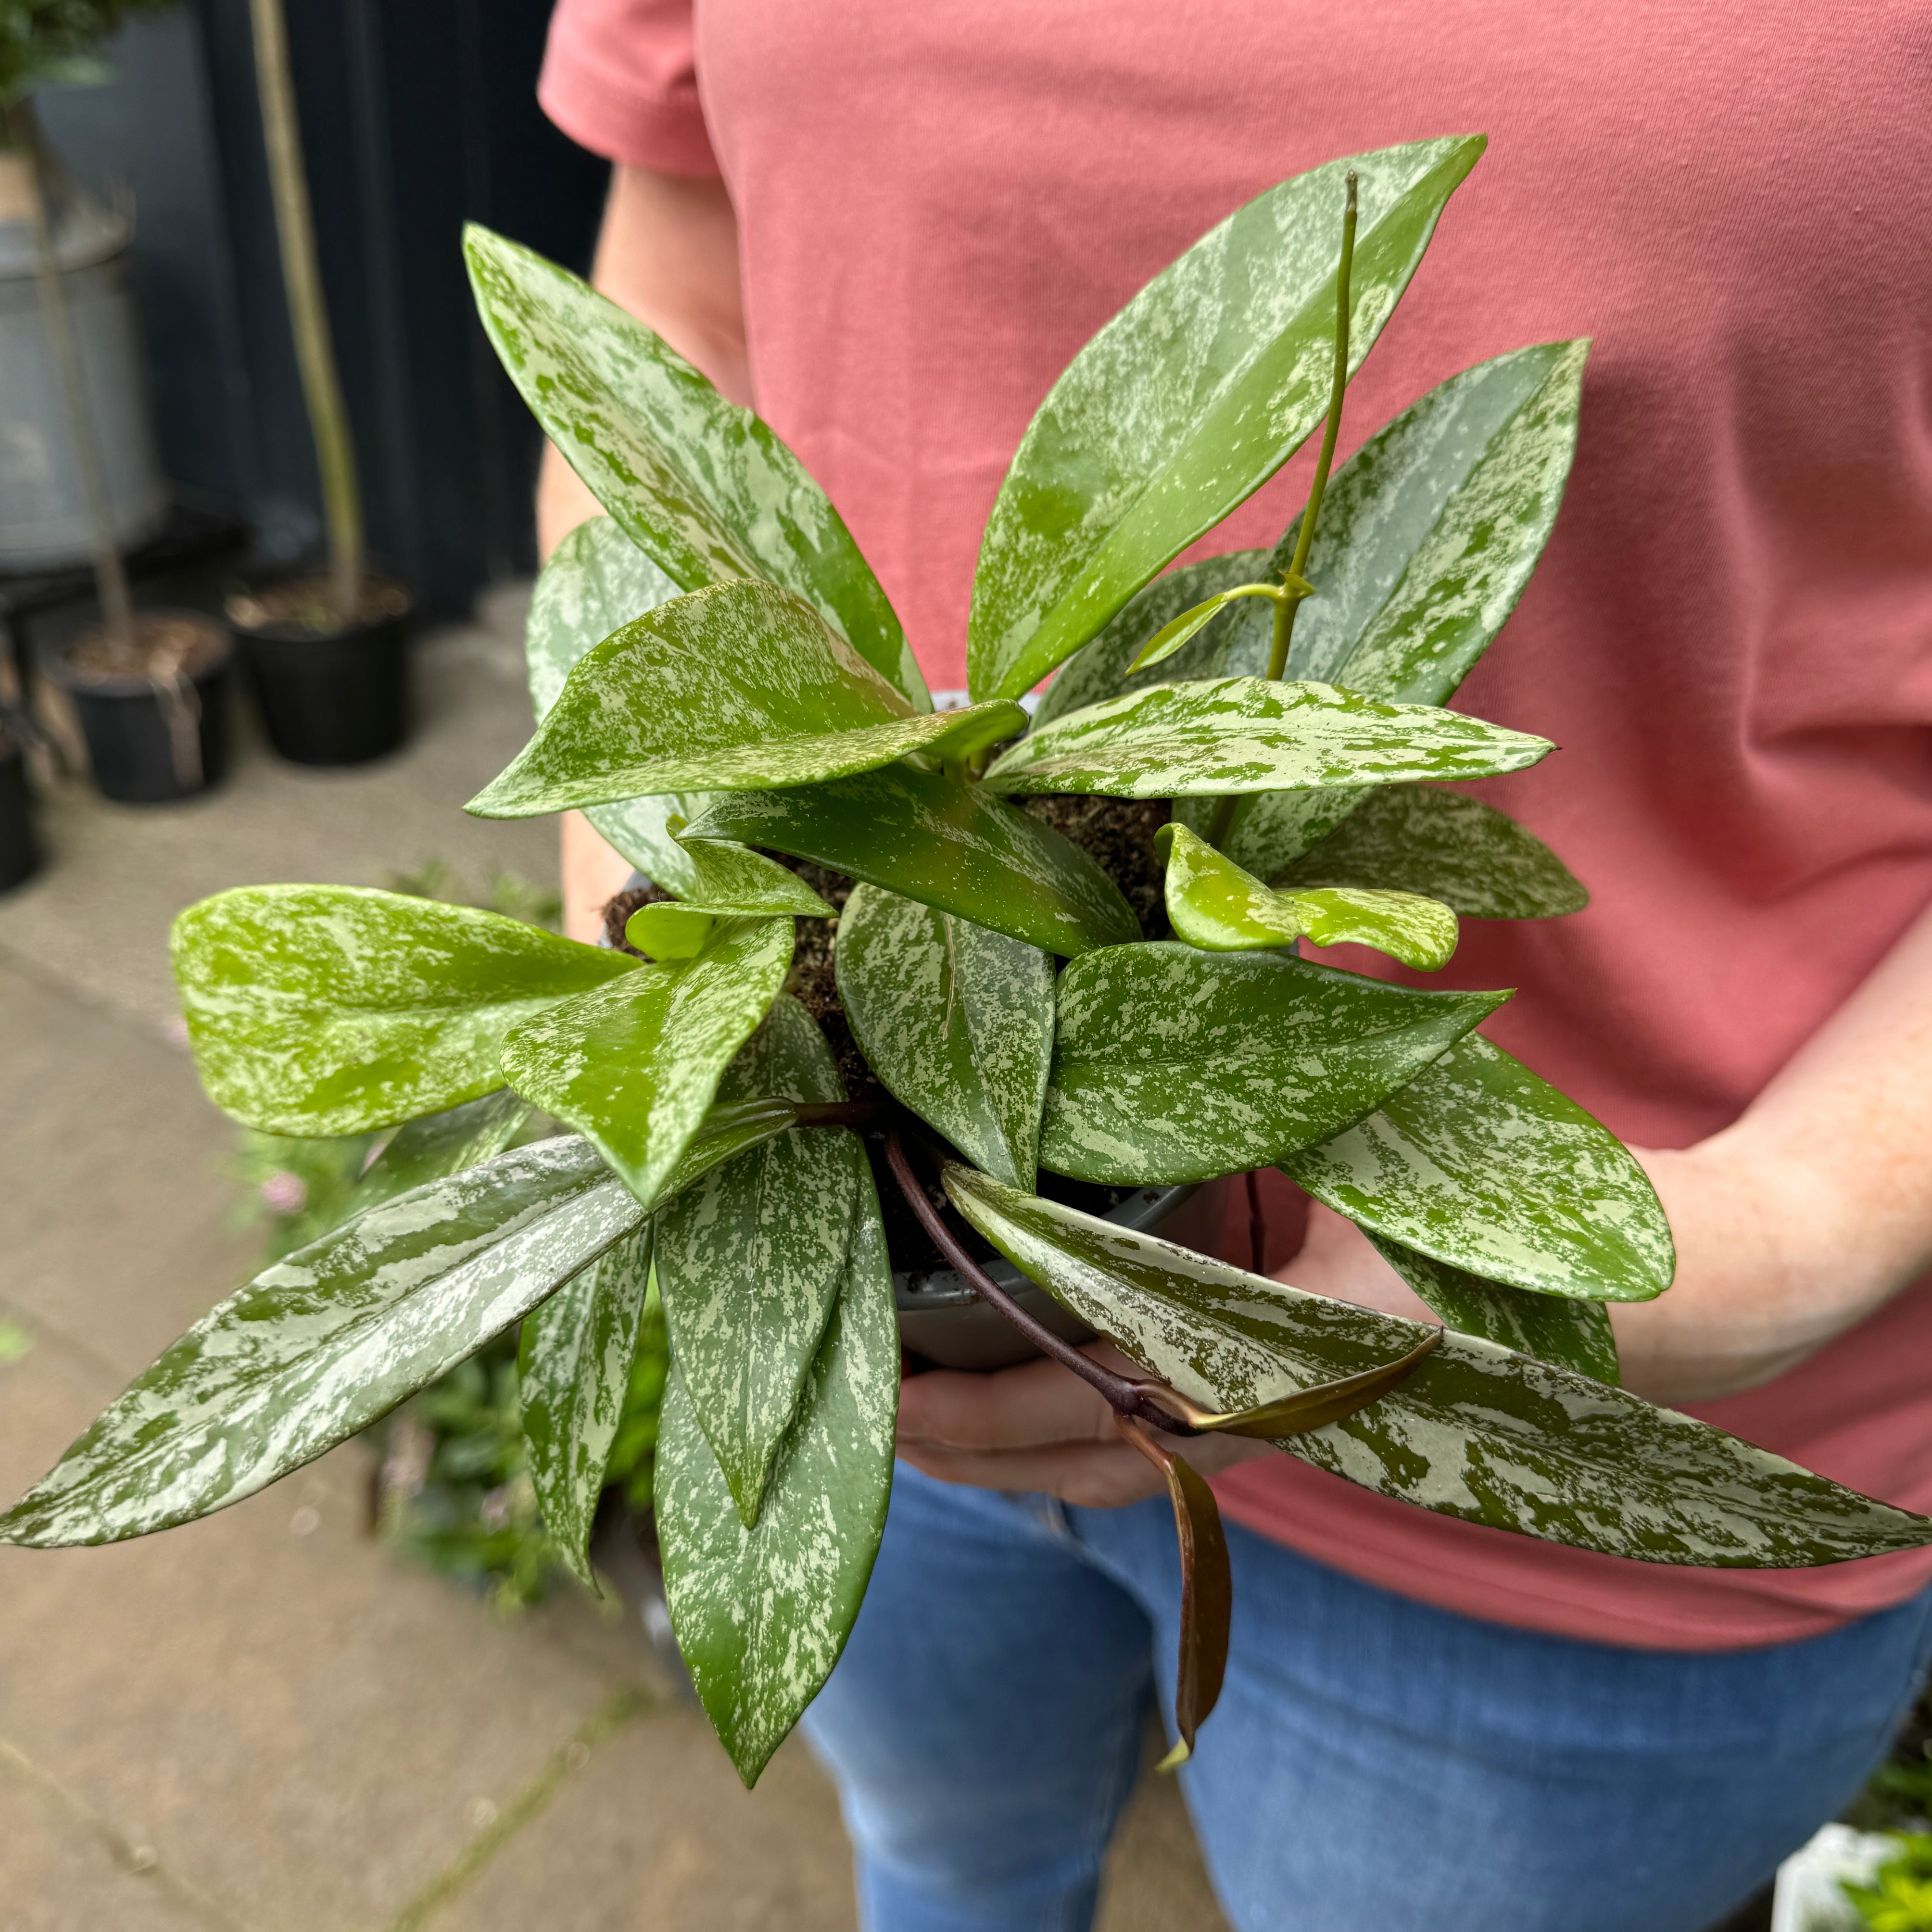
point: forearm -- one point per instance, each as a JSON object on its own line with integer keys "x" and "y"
{"x": 1810, "y": 1211}
{"x": 668, "y": 253}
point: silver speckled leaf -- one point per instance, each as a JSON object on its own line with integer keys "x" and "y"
{"x": 1244, "y": 734}
{"x": 635, "y": 1066}
{"x": 573, "y": 1374}
{"x": 750, "y": 1261}
{"x": 330, "y": 1337}
{"x": 1559, "y": 1328}
{"x": 943, "y": 842}
{"x": 761, "y": 1615}
{"x": 1481, "y": 1164}
{"x": 1189, "y": 400}
{"x": 1211, "y": 903}
{"x": 1415, "y": 838}
{"x": 733, "y": 879}
{"x": 703, "y": 486}
{"x": 956, "y": 1020}
{"x": 1173, "y": 1065}
{"x": 595, "y": 582}
{"x": 334, "y": 1009}
{"x": 1477, "y": 1432}
{"x": 739, "y": 685}
{"x": 425, "y": 1150}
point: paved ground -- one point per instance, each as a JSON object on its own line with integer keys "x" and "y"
{"x": 263, "y": 1720}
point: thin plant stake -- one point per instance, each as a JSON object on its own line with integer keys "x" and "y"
{"x": 308, "y": 316}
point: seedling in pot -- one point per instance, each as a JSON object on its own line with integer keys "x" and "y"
{"x": 722, "y": 685}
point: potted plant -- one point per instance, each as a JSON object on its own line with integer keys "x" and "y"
{"x": 325, "y": 652}
{"x": 149, "y": 686}
{"x": 19, "y": 850}
{"x": 720, "y": 679}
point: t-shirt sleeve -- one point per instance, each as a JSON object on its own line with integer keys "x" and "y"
{"x": 620, "y": 78}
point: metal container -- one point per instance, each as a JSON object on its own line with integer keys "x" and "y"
{"x": 44, "y": 517}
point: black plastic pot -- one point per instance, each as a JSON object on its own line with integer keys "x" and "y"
{"x": 942, "y": 1318}
{"x": 19, "y": 851}
{"x": 134, "y": 731}
{"x": 341, "y": 699}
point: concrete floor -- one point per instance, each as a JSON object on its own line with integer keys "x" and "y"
{"x": 263, "y": 1720}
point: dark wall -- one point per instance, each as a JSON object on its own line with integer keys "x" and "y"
{"x": 417, "y": 115}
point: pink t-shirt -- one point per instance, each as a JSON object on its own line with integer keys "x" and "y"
{"x": 1731, "y": 634}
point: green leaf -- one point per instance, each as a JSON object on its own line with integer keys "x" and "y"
{"x": 734, "y": 880}
{"x": 420, "y": 1151}
{"x": 1414, "y": 838}
{"x": 1172, "y": 1065}
{"x": 1215, "y": 905}
{"x": 761, "y": 1615}
{"x": 595, "y": 581}
{"x": 1432, "y": 530}
{"x": 943, "y": 842}
{"x": 1170, "y": 638}
{"x": 1238, "y": 646}
{"x": 725, "y": 1132}
{"x": 1559, "y": 1328}
{"x": 332, "y": 1336}
{"x": 634, "y": 1066}
{"x": 703, "y": 487}
{"x": 737, "y": 687}
{"x": 1482, "y": 1165}
{"x": 751, "y": 1260}
{"x": 334, "y": 1009}
{"x": 956, "y": 1020}
{"x": 573, "y": 1372}
{"x": 1244, "y": 734}
{"x": 1189, "y": 400}
{"x": 1477, "y": 1432}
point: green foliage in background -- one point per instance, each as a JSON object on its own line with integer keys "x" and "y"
{"x": 718, "y": 678}
{"x": 52, "y": 43}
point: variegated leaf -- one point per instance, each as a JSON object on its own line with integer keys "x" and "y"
{"x": 420, "y": 1151}
{"x": 1235, "y": 646}
{"x": 1188, "y": 401}
{"x": 1212, "y": 904}
{"x": 332, "y": 1336}
{"x": 761, "y": 1615}
{"x": 945, "y": 843}
{"x": 957, "y": 1020}
{"x": 733, "y": 879}
{"x": 1415, "y": 838}
{"x": 334, "y": 1009}
{"x": 595, "y": 582}
{"x": 573, "y": 1373}
{"x": 1251, "y": 734}
{"x": 635, "y": 1066}
{"x": 750, "y": 1261}
{"x": 1480, "y": 1163}
{"x": 1172, "y": 1065}
{"x": 702, "y": 485}
{"x": 1558, "y": 1328}
{"x": 1477, "y": 1432}
{"x": 740, "y": 686}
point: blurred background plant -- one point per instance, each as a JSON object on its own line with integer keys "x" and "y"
{"x": 451, "y": 1488}
{"x": 1898, "y": 1801}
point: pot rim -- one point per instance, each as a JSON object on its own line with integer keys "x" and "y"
{"x": 373, "y": 572}
{"x": 56, "y": 664}
{"x": 930, "y": 1290}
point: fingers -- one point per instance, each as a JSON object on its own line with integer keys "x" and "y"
{"x": 1039, "y": 1403}
{"x": 1096, "y": 1475}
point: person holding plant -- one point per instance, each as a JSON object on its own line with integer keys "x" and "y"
{"x": 891, "y": 227}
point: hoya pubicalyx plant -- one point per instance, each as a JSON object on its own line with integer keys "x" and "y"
{"x": 721, "y": 684}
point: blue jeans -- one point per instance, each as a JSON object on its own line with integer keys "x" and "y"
{"x": 1374, "y": 1765}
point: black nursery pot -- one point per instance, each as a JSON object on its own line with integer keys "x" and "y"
{"x": 19, "y": 851}
{"x": 132, "y": 745}
{"x": 337, "y": 698}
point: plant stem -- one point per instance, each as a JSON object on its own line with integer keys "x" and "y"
{"x": 1124, "y": 1396}
{"x": 1228, "y": 813}
{"x": 843, "y": 1113}
{"x": 110, "y": 575}
{"x": 308, "y": 316}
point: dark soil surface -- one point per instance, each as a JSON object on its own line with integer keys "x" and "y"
{"x": 1118, "y": 833}
{"x": 304, "y": 607}
{"x": 166, "y": 644}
